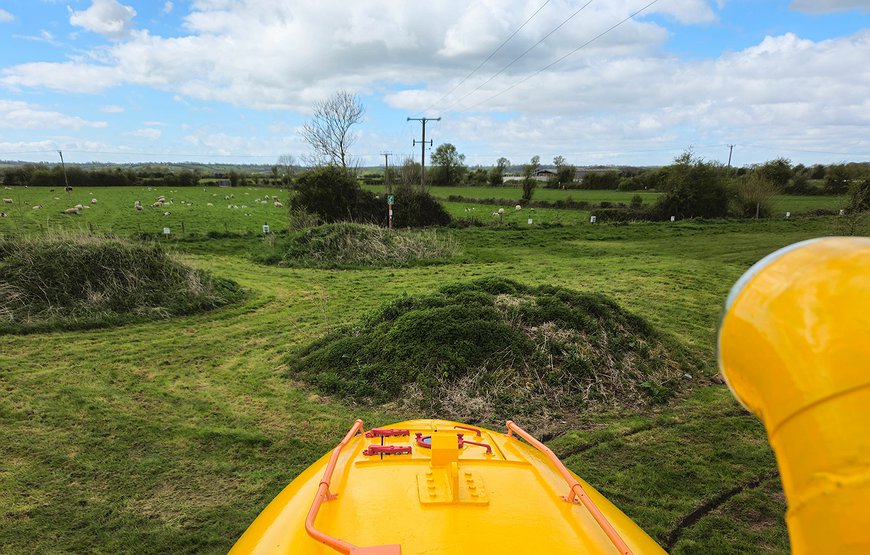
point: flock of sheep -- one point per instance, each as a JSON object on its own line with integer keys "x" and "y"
{"x": 158, "y": 203}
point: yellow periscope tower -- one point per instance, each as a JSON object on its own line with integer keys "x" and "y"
{"x": 794, "y": 347}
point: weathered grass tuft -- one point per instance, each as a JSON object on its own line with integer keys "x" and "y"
{"x": 494, "y": 348}
{"x": 351, "y": 244}
{"x": 68, "y": 280}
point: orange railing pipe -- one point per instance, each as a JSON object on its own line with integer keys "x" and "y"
{"x": 575, "y": 488}
{"x": 323, "y": 495}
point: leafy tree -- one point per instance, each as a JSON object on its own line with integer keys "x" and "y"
{"x": 837, "y": 179}
{"x": 329, "y": 131}
{"x": 496, "y": 174}
{"x": 529, "y": 181}
{"x": 448, "y": 165}
{"x": 478, "y": 177}
{"x": 755, "y": 194}
{"x": 564, "y": 171}
{"x": 695, "y": 189}
{"x": 776, "y": 172}
{"x": 333, "y": 194}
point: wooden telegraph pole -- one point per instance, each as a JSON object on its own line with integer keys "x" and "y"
{"x": 423, "y": 149}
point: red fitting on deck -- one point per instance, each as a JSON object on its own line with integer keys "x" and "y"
{"x": 387, "y": 432}
{"x": 469, "y": 428}
{"x": 387, "y": 450}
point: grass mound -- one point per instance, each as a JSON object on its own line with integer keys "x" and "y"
{"x": 494, "y": 348}
{"x": 80, "y": 281}
{"x": 349, "y": 244}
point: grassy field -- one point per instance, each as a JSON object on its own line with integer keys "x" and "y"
{"x": 114, "y": 210}
{"x": 782, "y": 203}
{"x": 171, "y": 436}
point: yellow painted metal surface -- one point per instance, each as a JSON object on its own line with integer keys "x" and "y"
{"x": 794, "y": 347}
{"x": 441, "y": 500}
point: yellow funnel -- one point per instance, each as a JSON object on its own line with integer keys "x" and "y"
{"x": 794, "y": 347}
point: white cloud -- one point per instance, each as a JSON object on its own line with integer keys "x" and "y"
{"x": 112, "y": 109}
{"x": 146, "y": 133}
{"x": 106, "y": 17}
{"x": 22, "y": 115}
{"x": 621, "y": 92}
{"x": 823, "y": 6}
{"x": 5, "y": 16}
{"x": 167, "y": 8}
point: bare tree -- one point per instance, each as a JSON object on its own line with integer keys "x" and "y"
{"x": 329, "y": 131}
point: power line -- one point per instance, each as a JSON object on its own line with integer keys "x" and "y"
{"x": 488, "y": 58}
{"x": 548, "y": 66}
{"x": 515, "y": 60}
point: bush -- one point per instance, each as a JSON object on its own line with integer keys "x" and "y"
{"x": 74, "y": 281}
{"x": 494, "y": 348}
{"x": 333, "y": 194}
{"x": 416, "y": 208}
{"x": 348, "y": 244}
{"x": 696, "y": 189}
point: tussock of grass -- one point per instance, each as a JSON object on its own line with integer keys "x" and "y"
{"x": 494, "y": 348}
{"x": 79, "y": 281}
{"x": 350, "y": 244}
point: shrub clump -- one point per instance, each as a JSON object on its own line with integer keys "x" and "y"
{"x": 81, "y": 281}
{"x": 347, "y": 245}
{"x": 493, "y": 348}
{"x": 333, "y": 195}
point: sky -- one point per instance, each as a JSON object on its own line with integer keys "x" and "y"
{"x": 612, "y": 82}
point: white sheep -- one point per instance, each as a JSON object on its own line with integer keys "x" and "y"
{"x": 518, "y": 207}
{"x": 74, "y": 211}
{"x": 93, "y": 201}
{"x": 278, "y": 204}
{"x": 7, "y": 200}
{"x": 501, "y": 210}
{"x": 167, "y": 213}
{"x": 157, "y": 204}
{"x": 78, "y": 207}
{"x": 209, "y": 204}
{"x": 4, "y": 215}
{"x": 37, "y": 206}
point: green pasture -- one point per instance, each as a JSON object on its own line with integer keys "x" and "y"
{"x": 171, "y": 436}
{"x": 114, "y": 210}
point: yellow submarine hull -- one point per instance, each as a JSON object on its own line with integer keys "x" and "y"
{"x": 450, "y": 489}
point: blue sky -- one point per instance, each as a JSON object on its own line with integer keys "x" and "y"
{"x": 233, "y": 81}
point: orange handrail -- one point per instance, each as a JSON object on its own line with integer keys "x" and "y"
{"x": 575, "y": 488}
{"x": 323, "y": 495}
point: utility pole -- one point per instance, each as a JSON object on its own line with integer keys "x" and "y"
{"x": 65, "y": 180}
{"x": 730, "y": 150}
{"x": 423, "y": 149}
{"x": 387, "y": 183}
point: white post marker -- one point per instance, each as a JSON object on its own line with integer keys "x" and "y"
{"x": 593, "y": 219}
{"x": 788, "y": 214}
{"x": 390, "y": 211}
{"x": 530, "y": 221}
{"x": 673, "y": 218}
{"x": 165, "y": 231}
{"x": 265, "y": 229}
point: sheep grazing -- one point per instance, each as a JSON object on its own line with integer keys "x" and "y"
{"x": 4, "y": 215}
{"x": 7, "y": 200}
{"x": 36, "y": 206}
{"x": 518, "y": 207}
{"x": 137, "y": 205}
{"x": 74, "y": 211}
{"x": 157, "y": 204}
{"x": 278, "y": 204}
{"x": 78, "y": 207}
{"x": 167, "y": 213}
{"x": 209, "y": 204}
{"x": 93, "y": 201}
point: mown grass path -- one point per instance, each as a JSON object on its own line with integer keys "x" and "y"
{"x": 171, "y": 436}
